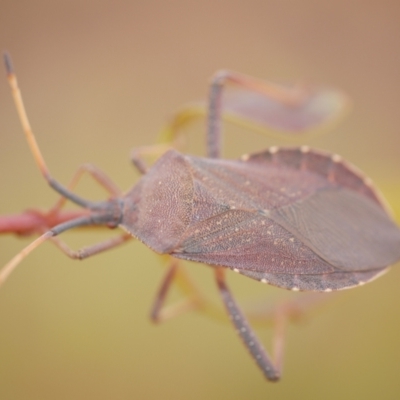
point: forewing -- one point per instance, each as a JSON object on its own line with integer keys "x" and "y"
{"x": 317, "y": 227}
{"x": 256, "y": 246}
{"x": 344, "y": 228}
{"x": 248, "y": 240}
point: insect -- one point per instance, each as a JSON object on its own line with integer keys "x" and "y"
{"x": 296, "y": 218}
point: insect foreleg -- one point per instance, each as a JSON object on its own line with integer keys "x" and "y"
{"x": 91, "y": 250}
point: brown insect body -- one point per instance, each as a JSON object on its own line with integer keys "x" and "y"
{"x": 296, "y": 218}
{"x": 291, "y": 217}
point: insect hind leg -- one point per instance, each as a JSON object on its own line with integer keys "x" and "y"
{"x": 216, "y": 108}
{"x": 270, "y": 370}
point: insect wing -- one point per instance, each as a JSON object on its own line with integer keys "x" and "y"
{"x": 327, "y": 231}
{"x": 344, "y": 228}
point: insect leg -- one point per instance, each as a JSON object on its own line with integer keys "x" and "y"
{"x": 159, "y": 313}
{"x": 171, "y": 132}
{"x": 137, "y": 155}
{"x": 295, "y": 309}
{"x": 155, "y": 313}
{"x": 280, "y": 314}
{"x": 91, "y": 250}
{"x": 98, "y": 175}
{"x": 13, "y": 263}
{"x": 252, "y": 343}
{"x": 216, "y": 109}
{"x": 170, "y": 136}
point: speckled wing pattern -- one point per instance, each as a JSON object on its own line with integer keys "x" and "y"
{"x": 296, "y": 218}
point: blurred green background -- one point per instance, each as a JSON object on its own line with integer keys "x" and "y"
{"x": 100, "y": 77}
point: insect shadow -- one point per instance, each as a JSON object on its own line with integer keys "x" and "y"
{"x": 296, "y": 218}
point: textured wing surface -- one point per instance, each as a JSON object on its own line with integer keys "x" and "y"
{"x": 344, "y": 228}
{"x": 294, "y": 218}
{"x": 248, "y": 240}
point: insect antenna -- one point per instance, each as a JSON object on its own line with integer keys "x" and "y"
{"x": 100, "y": 213}
{"x": 30, "y": 137}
